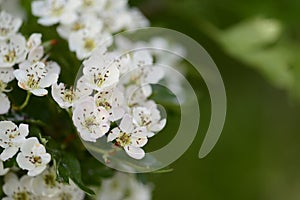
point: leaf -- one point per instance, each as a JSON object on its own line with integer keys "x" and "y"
{"x": 69, "y": 167}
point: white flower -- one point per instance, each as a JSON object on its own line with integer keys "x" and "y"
{"x": 55, "y": 11}
{"x": 11, "y": 138}
{"x": 3, "y": 170}
{"x": 85, "y": 41}
{"x": 17, "y": 189}
{"x": 129, "y": 137}
{"x": 90, "y": 121}
{"x": 35, "y": 78}
{"x": 68, "y": 191}
{"x": 45, "y": 184}
{"x": 149, "y": 117}
{"x": 6, "y": 75}
{"x": 112, "y": 101}
{"x": 68, "y": 97}
{"x": 33, "y": 157}
{"x": 9, "y": 25}
{"x": 123, "y": 187}
{"x": 87, "y": 21}
{"x": 12, "y": 50}
{"x": 99, "y": 73}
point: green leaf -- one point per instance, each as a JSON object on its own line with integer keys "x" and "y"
{"x": 69, "y": 167}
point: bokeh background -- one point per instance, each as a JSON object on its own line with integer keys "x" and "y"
{"x": 255, "y": 44}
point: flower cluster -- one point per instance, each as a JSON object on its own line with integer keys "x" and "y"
{"x": 41, "y": 187}
{"x": 115, "y": 90}
{"x": 34, "y": 72}
{"x": 32, "y": 155}
{"x": 87, "y": 24}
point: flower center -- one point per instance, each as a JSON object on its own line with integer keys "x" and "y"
{"x": 89, "y": 44}
{"x": 50, "y": 180}
{"x": 21, "y": 196}
{"x": 69, "y": 96}
{"x": 10, "y": 56}
{"x": 77, "y": 26}
{"x": 123, "y": 140}
{"x": 32, "y": 82}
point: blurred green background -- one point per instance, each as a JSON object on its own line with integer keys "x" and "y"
{"x": 255, "y": 44}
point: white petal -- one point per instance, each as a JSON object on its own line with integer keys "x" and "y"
{"x": 49, "y": 79}
{"x": 113, "y": 134}
{"x": 39, "y": 92}
{"x": 24, "y": 130}
{"x": 126, "y": 124}
{"x": 37, "y": 170}
{"x": 8, "y": 152}
{"x": 24, "y": 162}
{"x": 4, "y": 104}
{"x": 26, "y": 148}
{"x": 135, "y": 152}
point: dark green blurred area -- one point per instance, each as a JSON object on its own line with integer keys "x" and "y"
{"x": 257, "y": 156}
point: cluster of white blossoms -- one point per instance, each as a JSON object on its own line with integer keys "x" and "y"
{"x": 123, "y": 187}
{"x": 41, "y": 187}
{"x": 87, "y": 24}
{"x": 32, "y": 155}
{"x": 115, "y": 90}
{"x": 34, "y": 73}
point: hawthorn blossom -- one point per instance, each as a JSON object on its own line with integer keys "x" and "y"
{"x": 149, "y": 117}
{"x": 17, "y": 189}
{"x": 86, "y": 21}
{"x": 55, "y": 11}
{"x": 99, "y": 73}
{"x": 12, "y": 50}
{"x": 83, "y": 42}
{"x": 91, "y": 121}
{"x": 33, "y": 157}
{"x": 68, "y": 97}
{"x": 45, "y": 184}
{"x": 112, "y": 101}
{"x": 129, "y": 137}
{"x": 35, "y": 78}
{"x": 6, "y": 75}
{"x": 123, "y": 187}
{"x": 68, "y": 191}
{"x": 9, "y": 25}
{"x": 12, "y": 138}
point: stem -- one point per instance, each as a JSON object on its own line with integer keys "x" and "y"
{"x": 25, "y": 103}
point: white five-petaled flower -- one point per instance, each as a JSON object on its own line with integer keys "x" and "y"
{"x": 12, "y": 50}
{"x": 68, "y": 97}
{"x": 55, "y": 11}
{"x": 148, "y": 116}
{"x": 112, "y": 101}
{"x": 99, "y": 73}
{"x": 87, "y": 21}
{"x": 11, "y": 138}
{"x": 85, "y": 41}
{"x": 17, "y": 189}
{"x": 9, "y": 25}
{"x": 6, "y": 75}
{"x": 90, "y": 121}
{"x": 129, "y": 137}
{"x": 35, "y": 78}
{"x": 45, "y": 184}
{"x": 33, "y": 157}
{"x": 123, "y": 187}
